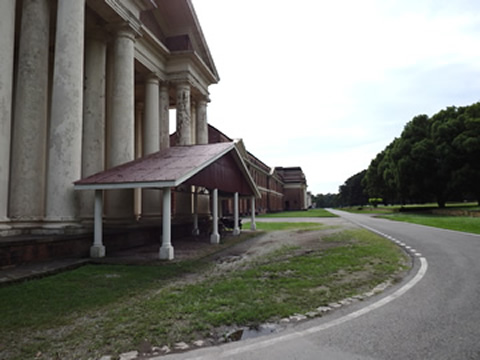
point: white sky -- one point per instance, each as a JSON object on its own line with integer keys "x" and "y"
{"x": 326, "y": 85}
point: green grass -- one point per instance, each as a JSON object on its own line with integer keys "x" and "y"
{"x": 275, "y": 226}
{"x": 303, "y": 213}
{"x": 105, "y": 309}
{"x": 458, "y": 223}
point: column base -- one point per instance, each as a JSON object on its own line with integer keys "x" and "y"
{"x": 196, "y": 232}
{"x": 215, "y": 238}
{"x": 253, "y": 226}
{"x": 236, "y": 231}
{"x": 166, "y": 252}
{"x": 97, "y": 251}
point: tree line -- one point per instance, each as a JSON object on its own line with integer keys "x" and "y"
{"x": 435, "y": 159}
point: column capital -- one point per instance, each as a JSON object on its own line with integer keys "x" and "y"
{"x": 123, "y": 29}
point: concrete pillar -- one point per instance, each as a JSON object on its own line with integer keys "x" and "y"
{"x": 202, "y": 124}
{"x": 151, "y": 141}
{"x": 166, "y": 250}
{"x": 7, "y": 40}
{"x": 215, "y": 236}
{"x": 27, "y": 185}
{"x": 164, "y": 107}
{"x": 196, "y": 230}
{"x": 137, "y": 193}
{"x": 236, "y": 227}
{"x": 184, "y": 133}
{"x": 98, "y": 249}
{"x": 121, "y": 130}
{"x": 65, "y": 141}
{"x": 253, "y": 225}
{"x": 193, "y": 122}
{"x": 93, "y": 139}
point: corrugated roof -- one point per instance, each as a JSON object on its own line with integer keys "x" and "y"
{"x": 168, "y": 168}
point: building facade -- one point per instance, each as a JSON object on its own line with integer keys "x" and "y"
{"x": 282, "y": 188}
{"x": 86, "y": 85}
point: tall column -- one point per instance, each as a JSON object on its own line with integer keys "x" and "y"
{"x": 65, "y": 141}
{"x": 7, "y": 40}
{"x": 215, "y": 236}
{"x": 93, "y": 139}
{"x": 27, "y": 185}
{"x": 164, "y": 107}
{"x": 193, "y": 122}
{"x": 253, "y": 225}
{"x": 97, "y": 250}
{"x": 166, "y": 250}
{"x": 236, "y": 227}
{"x": 184, "y": 133}
{"x": 121, "y": 120}
{"x": 202, "y": 124}
{"x": 151, "y": 141}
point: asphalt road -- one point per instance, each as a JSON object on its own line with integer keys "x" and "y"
{"x": 433, "y": 314}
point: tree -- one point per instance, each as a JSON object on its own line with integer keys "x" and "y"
{"x": 352, "y": 192}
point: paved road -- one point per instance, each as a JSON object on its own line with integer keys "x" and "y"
{"x": 433, "y": 314}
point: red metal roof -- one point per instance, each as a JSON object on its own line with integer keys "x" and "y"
{"x": 212, "y": 166}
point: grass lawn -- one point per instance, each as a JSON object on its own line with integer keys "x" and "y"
{"x": 274, "y": 226}
{"x": 459, "y": 223}
{"x": 109, "y": 309}
{"x": 300, "y": 214}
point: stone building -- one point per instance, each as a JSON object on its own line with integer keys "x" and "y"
{"x": 86, "y": 85}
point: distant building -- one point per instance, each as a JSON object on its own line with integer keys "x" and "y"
{"x": 294, "y": 188}
{"x": 282, "y": 188}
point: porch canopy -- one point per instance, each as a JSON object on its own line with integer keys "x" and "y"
{"x": 217, "y": 167}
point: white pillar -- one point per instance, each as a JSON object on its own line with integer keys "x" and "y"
{"x": 7, "y": 40}
{"x": 236, "y": 227}
{"x": 166, "y": 250}
{"x": 65, "y": 141}
{"x": 164, "y": 107}
{"x": 202, "y": 124}
{"x": 98, "y": 250}
{"x": 215, "y": 237}
{"x": 27, "y": 185}
{"x": 184, "y": 133}
{"x": 151, "y": 142}
{"x": 253, "y": 225}
{"x": 121, "y": 130}
{"x": 196, "y": 230}
{"x": 93, "y": 138}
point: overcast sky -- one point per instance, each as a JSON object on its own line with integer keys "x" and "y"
{"x": 326, "y": 85}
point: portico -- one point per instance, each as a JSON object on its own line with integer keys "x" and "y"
{"x": 216, "y": 167}
{"x": 92, "y": 85}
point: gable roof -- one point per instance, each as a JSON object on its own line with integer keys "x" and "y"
{"x": 212, "y": 166}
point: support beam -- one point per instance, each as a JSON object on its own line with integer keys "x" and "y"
{"x": 196, "y": 230}
{"x": 166, "y": 250}
{"x": 215, "y": 237}
{"x": 98, "y": 250}
{"x": 236, "y": 227}
{"x": 253, "y": 225}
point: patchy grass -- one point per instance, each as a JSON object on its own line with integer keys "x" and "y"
{"x": 458, "y": 223}
{"x": 275, "y": 226}
{"x": 299, "y": 214}
{"x": 105, "y": 309}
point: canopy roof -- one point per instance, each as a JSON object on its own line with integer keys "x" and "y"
{"x": 213, "y": 166}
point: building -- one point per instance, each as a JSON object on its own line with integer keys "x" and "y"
{"x": 294, "y": 188}
{"x": 86, "y": 85}
{"x": 282, "y": 188}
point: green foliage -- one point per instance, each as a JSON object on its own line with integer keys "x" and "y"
{"x": 352, "y": 192}
{"x": 435, "y": 159}
{"x": 311, "y": 213}
{"x": 375, "y": 201}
